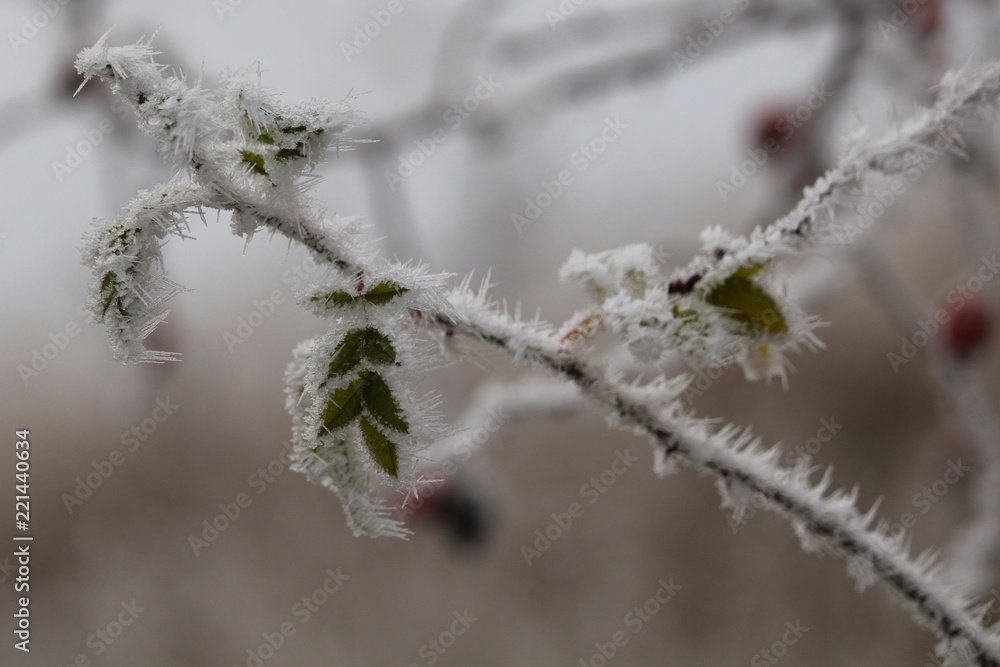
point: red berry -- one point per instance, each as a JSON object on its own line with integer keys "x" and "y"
{"x": 454, "y": 506}
{"x": 927, "y": 18}
{"x": 777, "y": 129}
{"x": 968, "y": 329}
{"x": 770, "y": 128}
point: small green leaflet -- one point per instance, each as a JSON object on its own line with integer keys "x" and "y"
{"x": 378, "y": 348}
{"x": 381, "y": 294}
{"x": 255, "y": 161}
{"x": 108, "y": 291}
{"x": 121, "y": 241}
{"x": 338, "y": 298}
{"x": 344, "y": 406}
{"x": 348, "y": 354}
{"x": 745, "y": 301}
{"x": 361, "y": 344}
{"x": 381, "y": 447}
{"x": 369, "y": 390}
{"x": 289, "y": 153}
{"x": 381, "y": 403}
{"x": 384, "y": 292}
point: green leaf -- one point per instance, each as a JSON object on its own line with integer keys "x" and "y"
{"x": 747, "y": 302}
{"x": 384, "y": 292}
{"x": 378, "y": 348}
{"x": 348, "y": 354}
{"x": 121, "y": 241}
{"x": 338, "y": 298}
{"x": 344, "y": 406}
{"x": 108, "y": 291}
{"x": 292, "y": 129}
{"x": 255, "y": 161}
{"x": 266, "y": 138}
{"x": 750, "y": 270}
{"x": 382, "y": 449}
{"x": 289, "y": 153}
{"x": 380, "y": 294}
{"x": 361, "y": 344}
{"x": 381, "y": 403}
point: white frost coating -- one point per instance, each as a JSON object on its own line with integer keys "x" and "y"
{"x": 124, "y": 256}
{"x": 245, "y": 172}
{"x": 725, "y": 306}
{"x": 356, "y": 423}
{"x": 729, "y": 311}
{"x": 337, "y": 457}
{"x": 604, "y": 273}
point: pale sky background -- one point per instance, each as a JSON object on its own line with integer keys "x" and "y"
{"x": 657, "y": 183}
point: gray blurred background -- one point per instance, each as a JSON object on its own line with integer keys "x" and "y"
{"x": 742, "y": 586}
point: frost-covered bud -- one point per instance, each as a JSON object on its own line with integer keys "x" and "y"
{"x": 628, "y": 268}
{"x": 178, "y": 116}
{"x": 276, "y": 142}
{"x": 722, "y": 308}
{"x": 127, "y": 283}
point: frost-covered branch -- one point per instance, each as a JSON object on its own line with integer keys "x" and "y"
{"x": 821, "y": 518}
{"x": 355, "y": 418}
{"x": 518, "y": 399}
{"x": 727, "y": 305}
{"x": 128, "y": 282}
